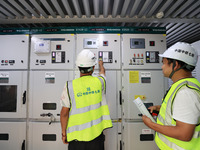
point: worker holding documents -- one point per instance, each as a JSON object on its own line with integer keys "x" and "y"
{"x": 178, "y": 122}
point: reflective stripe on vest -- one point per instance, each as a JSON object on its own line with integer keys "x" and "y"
{"x": 165, "y": 118}
{"x": 86, "y": 121}
{"x": 103, "y": 83}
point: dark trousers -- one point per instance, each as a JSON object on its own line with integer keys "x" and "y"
{"x": 96, "y": 144}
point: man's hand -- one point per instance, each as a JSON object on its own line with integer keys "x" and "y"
{"x": 64, "y": 115}
{"x": 64, "y": 139}
{"x": 147, "y": 121}
{"x": 182, "y": 131}
{"x": 101, "y": 68}
{"x": 100, "y": 63}
{"x": 156, "y": 108}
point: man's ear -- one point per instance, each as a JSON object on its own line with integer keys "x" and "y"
{"x": 177, "y": 66}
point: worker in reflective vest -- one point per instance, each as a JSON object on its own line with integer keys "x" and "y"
{"x": 85, "y": 114}
{"x": 178, "y": 122}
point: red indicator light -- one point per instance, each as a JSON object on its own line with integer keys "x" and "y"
{"x": 58, "y": 47}
{"x": 152, "y": 43}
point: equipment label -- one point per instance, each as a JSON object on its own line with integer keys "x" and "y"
{"x": 4, "y": 75}
{"x": 133, "y": 76}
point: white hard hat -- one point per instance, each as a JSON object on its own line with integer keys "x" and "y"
{"x": 182, "y": 51}
{"x": 86, "y": 58}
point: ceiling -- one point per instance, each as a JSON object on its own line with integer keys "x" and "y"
{"x": 181, "y": 18}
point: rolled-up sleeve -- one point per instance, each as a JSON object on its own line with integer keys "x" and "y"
{"x": 64, "y": 101}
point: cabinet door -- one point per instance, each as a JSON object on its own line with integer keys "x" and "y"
{"x": 45, "y": 93}
{"x": 43, "y": 136}
{"x": 14, "y": 51}
{"x": 13, "y": 94}
{"x": 149, "y": 85}
{"x": 12, "y": 135}
{"x": 137, "y": 136}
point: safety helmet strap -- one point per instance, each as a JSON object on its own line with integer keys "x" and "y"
{"x": 89, "y": 69}
{"x": 173, "y": 71}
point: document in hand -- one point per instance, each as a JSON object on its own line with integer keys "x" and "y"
{"x": 140, "y": 105}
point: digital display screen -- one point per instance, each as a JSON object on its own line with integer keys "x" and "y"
{"x": 41, "y": 44}
{"x": 89, "y": 42}
{"x": 136, "y": 43}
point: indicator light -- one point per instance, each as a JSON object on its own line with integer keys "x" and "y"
{"x": 152, "y": 43}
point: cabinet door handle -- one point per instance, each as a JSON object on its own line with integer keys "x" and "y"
{"x": 24, "y": 98}
{"x": 23, "y": 145}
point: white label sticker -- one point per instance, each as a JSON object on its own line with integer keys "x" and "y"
{"x": 4, "y": 74}
{"x": 145, "y": 74}
{"x": 105, "y": 56}
{"x": 58, "y": 56}
{"x": 146, "y": 131}
{"x": 50, "y": 75}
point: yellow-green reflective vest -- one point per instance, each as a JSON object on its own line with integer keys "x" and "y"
{"x": 165, "y": 118}
{"x": 89, "y": 114}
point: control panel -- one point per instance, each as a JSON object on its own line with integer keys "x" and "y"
{"x": 137, "y": 43}
{"x": 52, "y": 51}
{"x": 14, "y": 51}
{"x": 106, "y": 57}
{"x": 106, "y": 47}
{"x": 90, "y": 43}
{"x": 141, "y": 51}
{"x": 152, "y": 57}
{"x": 58, "y": 57}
